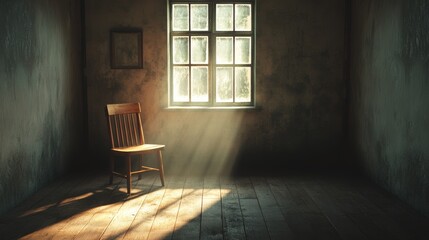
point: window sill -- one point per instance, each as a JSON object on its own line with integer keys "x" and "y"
{"x": 198, "y": 108}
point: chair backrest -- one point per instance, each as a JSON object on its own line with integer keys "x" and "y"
{"x": 124, "y": 123}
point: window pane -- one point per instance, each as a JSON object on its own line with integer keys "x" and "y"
{"x": 224, "y": 78}
{"x": 242, "y": 84}
{"x": 199, "y": 84}
{"x": 180, "y": 17}
{"x": 199, "y": 49}
{"x": 224, "y": 53}
{"x": 199, "y": 17}
{"x": 181, "y": 84}
{"x": 224, "y": 17}
{"x": 180, "y": 50}
{"x": 243, "y": 50}
{"x": 243, "y": 17}
{"x": 211, "y": 53}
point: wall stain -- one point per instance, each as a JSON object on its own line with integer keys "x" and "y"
{"x": 41, "y": 92}
{"x": 414, "y": 173}
{"x": 415, "y": 26}
{"x": 388, "y": 118}
{"x": 17, "y": 36}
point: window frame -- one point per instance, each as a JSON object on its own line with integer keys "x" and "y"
{"x": 211, "y": 64}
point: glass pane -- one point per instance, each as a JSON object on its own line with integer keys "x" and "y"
{"x": 243, "y": 50}
{"x": 243, "y": 17}
{"x": 224, "y": 78}
{"x": 242, "y": 84}
{"x": 224, "y": 17}
{"x": 199, "y": 49}
{"x": 199, "y": 84}
{"x": 180, "y": 17}
{"x": 224, "y": 52}
{"x": 180, "y": 50}
{"x": 199, "y": 17}
{"x": 181, "y": 84}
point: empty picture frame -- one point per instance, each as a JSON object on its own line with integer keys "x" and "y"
{"x": 126, "y": 49}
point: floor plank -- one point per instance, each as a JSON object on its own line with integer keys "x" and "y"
{"x": 142, "y": 223}
{"x": 341, "y": 222}
{"x": 296, "y": 207}
{"x": 232, "y": 218}
{"x": 166, "y": 216}
{"x": 46, "y": 216}
{"x": 274, "y": 219}
{"x": 123, "y": 219}
{"x": 188, "y": 223}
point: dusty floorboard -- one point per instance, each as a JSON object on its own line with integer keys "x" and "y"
{"x": 290, "y": 207}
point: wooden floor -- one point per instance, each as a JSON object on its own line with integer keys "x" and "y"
{"x": 292, "y": 207}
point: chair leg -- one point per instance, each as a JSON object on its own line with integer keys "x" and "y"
{"x": 161, "y": 168}
{"x": 112, "y": 165}
{"x": 141, "y": 164}
{"x": 129, "y": 175}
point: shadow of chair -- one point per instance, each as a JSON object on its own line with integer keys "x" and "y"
{"x": 128, "y": 143}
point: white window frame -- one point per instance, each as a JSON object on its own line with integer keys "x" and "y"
{"x": 212, "y": 34}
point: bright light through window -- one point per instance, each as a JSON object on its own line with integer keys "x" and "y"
{"x": 211, "y": 53}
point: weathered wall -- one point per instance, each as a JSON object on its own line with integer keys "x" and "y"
{"x": 300, "y": 89}
{"x": 390, "y": 95}
{"x": 40, "y": 94}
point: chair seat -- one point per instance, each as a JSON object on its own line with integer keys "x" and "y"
{"x": 138, "y": 149}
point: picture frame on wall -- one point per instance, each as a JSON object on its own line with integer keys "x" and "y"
{"x": 126, "y": 50}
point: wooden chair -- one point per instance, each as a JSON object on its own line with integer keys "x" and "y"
{"x": 127, "y": 141}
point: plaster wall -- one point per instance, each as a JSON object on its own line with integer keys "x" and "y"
{"x": 40, "y": 94}
{"x": 389, "y": 95}
{"x": 300, "y": 90}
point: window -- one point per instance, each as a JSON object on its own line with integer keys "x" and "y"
{"x": 211, "y": 53}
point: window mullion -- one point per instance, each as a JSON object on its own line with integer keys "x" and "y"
{"x": 190, "y": 56}
{"x": 212, "y": 56}
{"x": 233, "y": 53}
